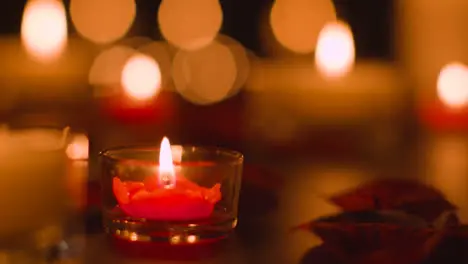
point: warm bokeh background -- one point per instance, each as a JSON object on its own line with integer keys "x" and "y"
{"x": 318, "y": 94}
{"x": 238, "y": 74}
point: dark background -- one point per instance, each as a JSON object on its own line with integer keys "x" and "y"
{"x": 370, "y": 20}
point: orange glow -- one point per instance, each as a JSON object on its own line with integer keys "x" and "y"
{"x": 107, "y": 68}
{"x": 241, "y": 59}
{"x": 335, "y": 54}
{"x": 192, "y": 239}
{"x": 102, "y": 21}
{"x": 44, "y": 29}
{"x": 205, "y": 76}
{"x": 141, "y": 77}
{"x": 78, "y": 149}
{"x": 190, "y": 24}
{"x": 167, "y": 176}
{"x": 161, "y": 52}
{"x": 297, "y": 23}
{"x": 452, "y": 85}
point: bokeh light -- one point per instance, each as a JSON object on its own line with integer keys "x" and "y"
{"x": 205, "y": 76}
{"x": 335, "y": 54}
{"x": 242, "y": 60}
{"x": 297, "y": 23}
{"x": 102, "y": 21}
{"x": 78, "y": 149}
{"x": 44, "y": 29}
{"x": 190, "y": 24}
{"x": 160, "y": 51}
{"x": 141, "y": 77}
{"x": 452, "y": 85}
{"x": 106, "y": 71}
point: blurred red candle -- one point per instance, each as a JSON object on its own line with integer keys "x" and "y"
{"x": 160, "y": 109}
{"x": 139, "y": 97}
{"x": 167, "y": 196}
{"x": 450, "y": 111}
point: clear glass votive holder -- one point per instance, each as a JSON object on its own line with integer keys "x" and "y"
{"x": 201, "y": 205}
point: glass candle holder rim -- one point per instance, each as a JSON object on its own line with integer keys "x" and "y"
{"x": 236, "y": 158}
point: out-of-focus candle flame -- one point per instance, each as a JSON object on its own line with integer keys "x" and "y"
{"x": 205, "y": 76}
{"x": 190, "y": 24}
{"x": 335, "y": 53}
{"x": 141, "y": 77}
{"x": 296, "y": 23}
{"x": 44, "y": 29}
{"x": 192, "y": 239}
{"x": 166, "y": 165}
{"x": 102, "y": 21}
{"x": 452, "y": 85}
{"x": 78, "y": 149}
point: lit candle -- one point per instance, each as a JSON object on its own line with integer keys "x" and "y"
{"x": 297, "y": 96}
{"x": 430, "y": 34}
{"x": 167, "y": 195}
{"x": 142, "y": 99}
{"x": 334, "y": 90}
{"x": 44, "y": 62}
{"x": 450, "y": 111}
{"x": 77, "y": 152}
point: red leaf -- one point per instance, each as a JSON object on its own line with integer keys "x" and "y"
{"x": 400, "y": 255}
{"x": 403, "y": 239}
{"x": 453, "y": 247}
{"x": 367, "y": 230}
{"x": 429, "y": 210}
{"x": 393, "y": 194}
{"x": 324, "y": 255}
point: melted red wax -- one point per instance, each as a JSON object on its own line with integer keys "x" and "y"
{"x": 186, "y": 201}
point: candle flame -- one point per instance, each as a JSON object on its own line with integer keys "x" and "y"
{"x": 335, "y": 52}
{"x": 141, "y": 77}
{"x": 452, "y": 85}
{"x": 44, "y": 29}
{"x": 166, "y": 165}
{"x": 78, "y": 149}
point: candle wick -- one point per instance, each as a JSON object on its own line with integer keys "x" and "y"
{"x": 167, "y": 180}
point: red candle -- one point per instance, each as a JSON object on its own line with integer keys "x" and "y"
{"x": 159, "y": 109}
{"x": 440, "y": 117}
{"x": 166, "y": 196}
{"x": 450, "y": 112}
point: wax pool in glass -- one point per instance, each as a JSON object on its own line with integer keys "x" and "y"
{"x": 174, "y": 194}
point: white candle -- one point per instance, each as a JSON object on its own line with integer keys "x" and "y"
{"x": 371, "y": 89}
{"x": 333, "y": 90}
{"x": 32, "y": 175}
{"x": 77, "y": 176}
{"x": 430, "y": 34}
{"x": 66, "y": 77}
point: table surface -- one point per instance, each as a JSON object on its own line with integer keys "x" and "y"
{"x": 296, "y": 195}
